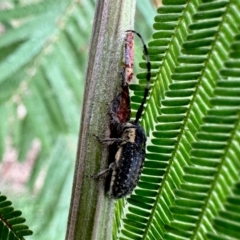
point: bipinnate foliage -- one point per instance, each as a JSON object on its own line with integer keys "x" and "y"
{"x": 190, "y": 184}
{"x": 43, "y": 51}
{"x": 11, "y": 222}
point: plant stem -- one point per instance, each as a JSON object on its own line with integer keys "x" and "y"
{"x": 91, "y": 211}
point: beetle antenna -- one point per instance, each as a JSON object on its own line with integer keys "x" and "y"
{"x": 148, "y": 77}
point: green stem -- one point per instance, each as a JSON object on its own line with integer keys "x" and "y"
{"x": 91, "y": 212}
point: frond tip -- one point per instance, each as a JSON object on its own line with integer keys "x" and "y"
{"x": 11, "y": 222}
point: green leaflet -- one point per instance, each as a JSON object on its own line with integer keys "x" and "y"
{"x": 11, "y": 224}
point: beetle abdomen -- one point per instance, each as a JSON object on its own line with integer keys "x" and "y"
{"x": 128, "y": 165}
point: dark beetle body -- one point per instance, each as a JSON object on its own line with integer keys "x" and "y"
{"x": 129, "y": 161}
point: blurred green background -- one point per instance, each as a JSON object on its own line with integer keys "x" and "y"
{"x": 43, "y": 56}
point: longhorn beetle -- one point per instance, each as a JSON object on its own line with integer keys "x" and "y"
{"x": 131, "y": 144}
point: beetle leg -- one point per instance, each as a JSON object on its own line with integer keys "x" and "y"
{"x": 111, "y": 166}
{"x": 108, "y": 141}
{"x": 100, "y": 174}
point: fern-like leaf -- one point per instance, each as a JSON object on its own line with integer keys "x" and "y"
{"x": 11, "y": 222}
{"x": 191, "y": 171}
